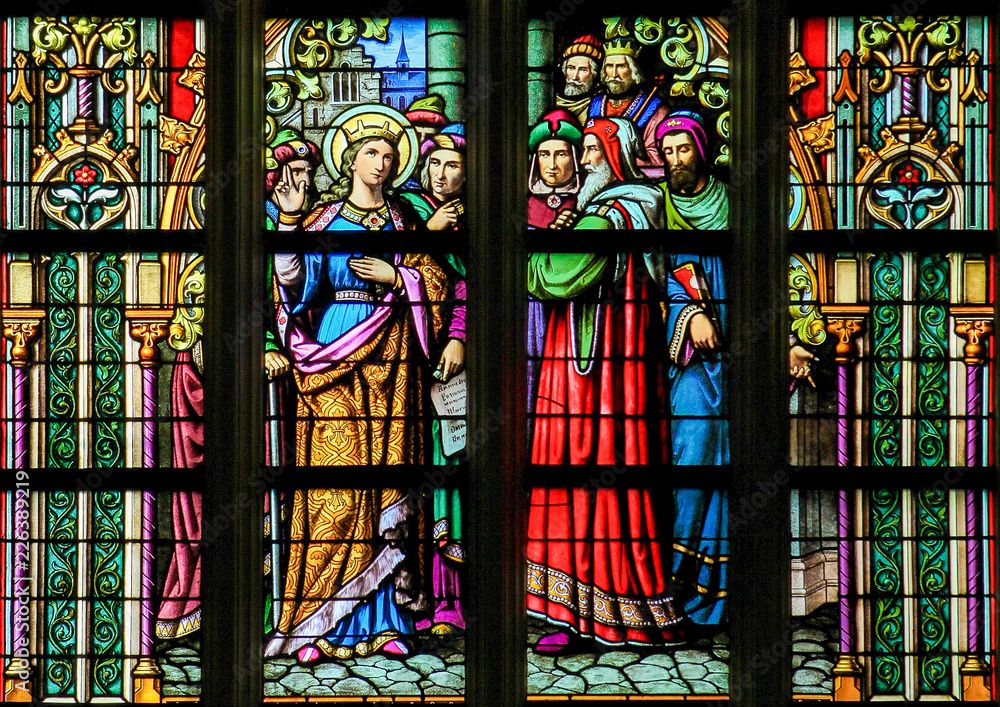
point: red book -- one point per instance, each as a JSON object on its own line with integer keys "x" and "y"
{"x": 695, "y": 283}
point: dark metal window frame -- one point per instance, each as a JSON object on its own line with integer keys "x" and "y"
{"x": 759, "y": 477}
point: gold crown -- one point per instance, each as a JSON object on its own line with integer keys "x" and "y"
{"x": 362, "y": 131}
{"x": 620, "y": 46}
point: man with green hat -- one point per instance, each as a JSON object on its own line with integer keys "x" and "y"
{"x": 554, "y": 173}
{"x": 426, "y": 114}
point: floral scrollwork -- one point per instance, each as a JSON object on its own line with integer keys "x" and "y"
{"x": 819, "y": 134}
{"x": 807, "y": 324}
{"x": 648, "y": 31}
{"x": 185, "y": 327}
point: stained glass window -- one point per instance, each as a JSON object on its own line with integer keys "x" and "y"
{"x": 365, "y": 355}
{"x": 101, "y": 372}
{"x": 893, "y": 593}
{"x": 626, "y": 358}
{"x": 890, "y": 123}
{"x": 897, "y": 349}
{"x": 103, "y": 119}
{"x": 620, "y": 383}
{"x": 891, "y": 358}
{"x": 629, "y": 123}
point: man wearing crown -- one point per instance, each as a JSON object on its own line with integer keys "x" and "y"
{"x": 362, "y": 331}
{"x": 580, "y": 66}
{"x": 624, "y": 98}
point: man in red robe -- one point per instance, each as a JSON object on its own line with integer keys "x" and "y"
{"x": 595, "y": 565}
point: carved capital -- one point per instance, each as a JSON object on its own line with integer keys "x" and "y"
{"x": 21, "y": 328}
{"x": 976, "y": 333}
{"x": 846, "y": 329}
{"x": 149, "y": 333}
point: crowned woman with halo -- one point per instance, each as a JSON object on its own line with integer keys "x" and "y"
{"x": 362, "y": 329}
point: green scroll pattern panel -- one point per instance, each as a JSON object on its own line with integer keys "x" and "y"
{"x": 932, "y": 589}
{"x": 63, "y": 360}
{"x": 61, "y": 554}
{"x": 109, "y": 357}
{"x": 887, "y": 592}
{"x": 887, "y": 334}
{"x": 932, "y": 366}
{"x": 107, "y": 609}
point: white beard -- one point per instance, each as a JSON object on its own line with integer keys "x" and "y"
{"x": 597, "y": 179}
{"x": 576, "y": 88}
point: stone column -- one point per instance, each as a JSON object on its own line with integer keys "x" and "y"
{"x": 446, "y": 68}
{"x": 21, "y": 326}
{"x": 541, "y": 92}
{"x": 846, "y": 323}
{"x": 148, "y": 327}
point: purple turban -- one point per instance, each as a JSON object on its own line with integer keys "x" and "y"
{"x": 686, "y": 124}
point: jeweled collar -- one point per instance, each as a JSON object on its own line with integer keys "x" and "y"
{"x": 372, "y": 219}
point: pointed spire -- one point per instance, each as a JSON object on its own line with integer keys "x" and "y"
{"x": 403, "y": 58}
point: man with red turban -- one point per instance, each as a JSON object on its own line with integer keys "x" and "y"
{"x": 595, "y": 565}
{"x": 611, "y": 196}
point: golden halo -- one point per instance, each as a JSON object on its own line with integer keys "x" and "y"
{"x": 367, "y": 120}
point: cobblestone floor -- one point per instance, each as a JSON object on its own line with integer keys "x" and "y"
{"x": 700, "y": 668}
{"x": 814, "y": 651}
{"x": 181, "y": 665}
{"x": 439, "y": 670}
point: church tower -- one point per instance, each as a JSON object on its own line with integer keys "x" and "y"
{"x": 403, "y": 59}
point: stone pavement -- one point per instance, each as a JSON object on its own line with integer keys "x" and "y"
{"x": 438, "y": 671}
{"x": 700, "y": 668}
{"x": 814, "y": 651}
{"x": 180, "y": 661}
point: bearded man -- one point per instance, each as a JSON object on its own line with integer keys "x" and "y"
{"x": 611, "y": 196}
{"x": 624, "y": 98}
{"x": 554, "y": 173}
{"x": 580, "y": 65}
{"x": 598, "y": 395}
{"x": 694, "y": 197}
{"x": 596, "y": 567}
{"x": 695, "y": 320}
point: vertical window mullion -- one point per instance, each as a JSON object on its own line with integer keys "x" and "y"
{"x": 232, "y": 520}
{"x": 760, "y": 559}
